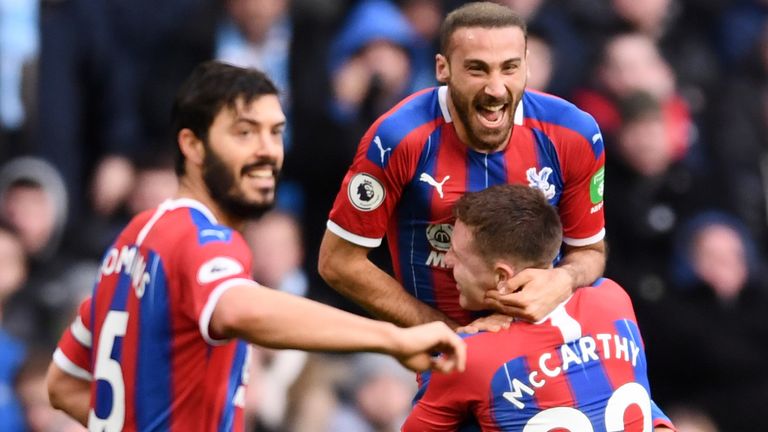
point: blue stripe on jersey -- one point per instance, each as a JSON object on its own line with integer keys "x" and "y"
{"x": 628, "y": 329}
{"x": 547, "y": 158}
{"x": 588, "y": 381}
{"x": 552, "y": 109}
{"x": 104, "y": 391}
{"x": 484, "y": 170}
{"x": 421, "y": 109}
{"x": 519, "y": 405}
{"x": 226, "y": 423}
{"x": 153, "y": 363}
{"x": 413, "y": 248}
{"x": 208, "y": 232}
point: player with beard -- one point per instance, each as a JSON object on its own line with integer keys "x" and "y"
{"x": 480, "y": 129}
{"x": 161, "y": 344}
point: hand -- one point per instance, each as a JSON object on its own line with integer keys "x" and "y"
{"x": 531, "y": 294}
{"x": 420, "y": 342}
{"x": 492, "y": 323}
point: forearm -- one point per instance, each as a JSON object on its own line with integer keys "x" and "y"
{"x": 584, "y": 265}
{"x": 278, "y": 320}
{"x": 347, "y": 269}
{"x": 69, "y": 394}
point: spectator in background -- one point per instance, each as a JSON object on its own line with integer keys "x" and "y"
{"x": 375, "y": 396}
{"x": 716, "y": 325}
{"x": 739, "y": 140}
{"x": 13, "y": 273}
{"x": 33, "y": 201}
{"x": 654, "y": 192}
{"x": 630, "y": 63}
{"x": 278, "y": 256}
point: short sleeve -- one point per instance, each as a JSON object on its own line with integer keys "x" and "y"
{"x": 443, "y": 407}
{"x": 207, "y": 269}
{"x": 73, "y": 352}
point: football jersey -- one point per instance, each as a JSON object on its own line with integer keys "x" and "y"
{"x": 143, "y": 337}
{"x": 583, "y": 368}
{"x": 411, "y": 167}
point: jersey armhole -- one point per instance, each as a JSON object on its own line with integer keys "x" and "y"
{"x": 210, "y": 305}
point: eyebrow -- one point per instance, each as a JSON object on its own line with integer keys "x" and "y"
{"x": 256, "y": 122}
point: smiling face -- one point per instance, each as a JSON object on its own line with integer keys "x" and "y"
{"x": 485, "y": 69}
{"x": 473, "y": 274}
{"x": 244, "y": 155}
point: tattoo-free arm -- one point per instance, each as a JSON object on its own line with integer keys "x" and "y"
{"x": 68, "y": 393}
{"x": 345, "y": 267}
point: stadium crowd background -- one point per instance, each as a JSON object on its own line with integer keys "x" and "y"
{"x": 678, "y": 87}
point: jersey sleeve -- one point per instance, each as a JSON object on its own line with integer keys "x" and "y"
{"x": 443, "y": 407}
{"x": 206, "y": 270}
{"x": 73, "y": 352}
{"x": 659, "y": 418}
{"x": 371, "y": 189}
{"x": 583, "y": 164}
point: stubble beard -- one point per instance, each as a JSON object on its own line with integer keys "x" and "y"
{"x": 493, "y": 141}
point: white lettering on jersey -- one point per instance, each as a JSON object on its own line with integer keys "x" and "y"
{"x": 218, "y": 268}
{"x": 623, "y": 349}
{"x": 130, "y": 261}
{"x": 428, "y": 179}
{"x": 436, "y": 259}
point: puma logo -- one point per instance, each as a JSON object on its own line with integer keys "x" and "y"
{"x": 382, "y": 151}
{"x": 426, "y": 178}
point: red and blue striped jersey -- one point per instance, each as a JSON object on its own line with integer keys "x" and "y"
{"x": 143, "y": 339}
{"x": 411, "y": 167}
{"x": 583, "y": 368}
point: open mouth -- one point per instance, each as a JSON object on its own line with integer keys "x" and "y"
{"x": 491, "y": 115}
{"x": 261, "y": 177}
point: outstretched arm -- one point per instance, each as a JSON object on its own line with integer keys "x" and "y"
{"x": 346, "y": 268}
{"x": 68, "y": 393}
{"x": 533, "y": 293}
{"x": 278, "y": 320}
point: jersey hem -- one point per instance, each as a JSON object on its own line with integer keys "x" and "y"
{"x": 68, "y": 366}
{"x": 585, "y": 241}
{"x": 352, "y": 238}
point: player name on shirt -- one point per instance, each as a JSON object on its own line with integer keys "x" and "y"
{"x": 575, "y": 353}
{"x": 129, "y": 261}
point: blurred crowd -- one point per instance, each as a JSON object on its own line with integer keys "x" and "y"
{"x": 678, "y": 87}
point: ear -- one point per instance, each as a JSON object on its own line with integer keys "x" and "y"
{"x": 442, "y": 68}
{"x": 502, "y": 271}
{"x": 191, "y": 147}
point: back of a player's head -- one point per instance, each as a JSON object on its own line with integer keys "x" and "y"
{"x": 478, "y": 14}
{"x": 513, "y": 222}
{"x": 211, "y": 87}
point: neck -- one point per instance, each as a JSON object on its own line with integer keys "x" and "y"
{"x": 194, "y": 188}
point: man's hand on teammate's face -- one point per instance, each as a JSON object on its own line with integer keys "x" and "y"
{"x": 419, "y": 343}
{"x": 492, "y": 323}
{"x": 531, "y": 294}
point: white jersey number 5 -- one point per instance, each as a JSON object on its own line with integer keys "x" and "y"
{"x": 108, "y": 369}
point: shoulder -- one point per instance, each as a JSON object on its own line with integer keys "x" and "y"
{"x": 558, "y": 117}
{"x": 417, "y": 115}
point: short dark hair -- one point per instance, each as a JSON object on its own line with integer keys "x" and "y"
{"x": 512, "y": 221}
{"x": 212, "y": 86}
{"x": 479, "y": 14}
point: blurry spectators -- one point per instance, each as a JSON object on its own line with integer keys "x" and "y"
{"x": 13, "y": 273}
{"x": 376, "y": 397}
{"x": 34, "y": 202}
{"x": 711, "y": 350}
